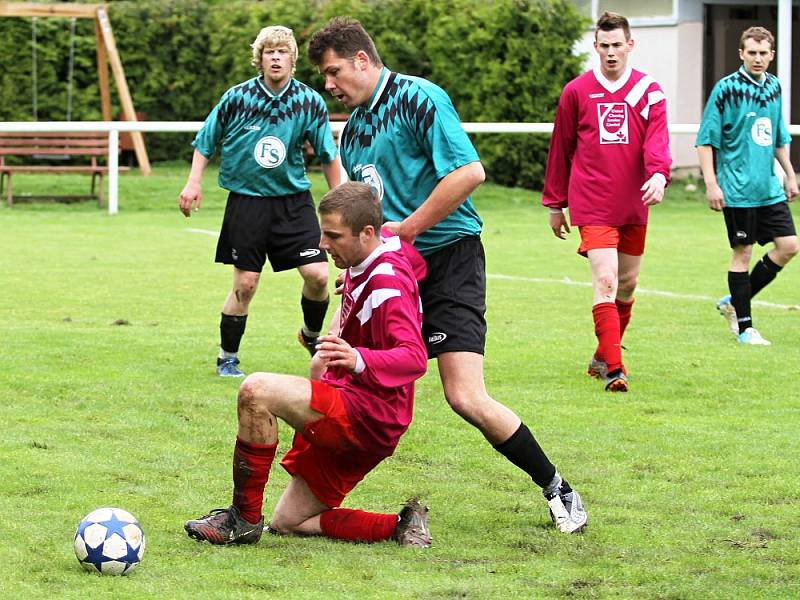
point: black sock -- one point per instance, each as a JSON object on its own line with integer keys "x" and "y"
{"x": 524, "y": 451}
{"x": 739, "y": 286}
{"x": 231, "y": 330}
{"x": 763, "y": 273}
{"x": 313, "y": 313}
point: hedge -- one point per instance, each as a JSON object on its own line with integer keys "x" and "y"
{"x": 500, "y": 60}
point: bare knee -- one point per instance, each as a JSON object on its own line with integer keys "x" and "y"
{"x": 787, "y": 251}
{"x": 465, "y": 404}
{"x": 315, "y": 278}
{"x": 281, "y": 523}
{"x": 245, "y": 287}
{"x": 740, "y": 261}
{"x": 627, "y": 284}
{"x": 606, "y": 284}
{"x": 253, "y": 399}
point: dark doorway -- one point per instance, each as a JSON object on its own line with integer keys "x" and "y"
{"x": 724, "y": 24}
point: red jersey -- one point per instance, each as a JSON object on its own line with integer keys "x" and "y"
{"x": 609, "y": 138}
{"x": 382, "y": 318}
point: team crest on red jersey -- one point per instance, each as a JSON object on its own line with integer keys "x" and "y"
{"x": 612, "y": 122}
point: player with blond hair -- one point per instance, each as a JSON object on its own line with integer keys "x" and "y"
{"x": 262, "y": 125}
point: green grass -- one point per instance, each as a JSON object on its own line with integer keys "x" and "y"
{"x": 691, "y": 479}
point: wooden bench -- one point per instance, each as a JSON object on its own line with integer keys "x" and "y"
{"x": 50, "y": 147}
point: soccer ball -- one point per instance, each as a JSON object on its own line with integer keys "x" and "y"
{"x": 109, "y": 541}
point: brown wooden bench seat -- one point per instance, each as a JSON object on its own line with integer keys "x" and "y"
{"x": 55, "y": 146}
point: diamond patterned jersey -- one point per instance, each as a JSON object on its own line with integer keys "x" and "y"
{"x": 742, "y": 120}
{"x": 262, "y": 134}
{"x": 403, "y": 141}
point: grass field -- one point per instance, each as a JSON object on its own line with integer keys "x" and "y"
{"x": 110, "y": 328}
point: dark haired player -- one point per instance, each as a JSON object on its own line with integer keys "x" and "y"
{"x": 352, "y": 418}
{"x": 405, "y": 139}
{"x": 609, "y": 161}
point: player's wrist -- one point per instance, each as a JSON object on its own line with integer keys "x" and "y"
{"x": 360, "y": 364}
{"x": 556, "y": 211}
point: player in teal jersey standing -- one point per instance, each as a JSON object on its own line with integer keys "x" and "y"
{"x": 741, "y": 134}
{"x": 262, "y": 125}
{"x": 405, "y": 139}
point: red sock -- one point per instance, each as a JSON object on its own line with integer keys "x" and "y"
{"x": 357, "y": 525}
{"x": 606, "y": 328}
{"x": 624, "y": 310}
{"x": 251, "y": 465}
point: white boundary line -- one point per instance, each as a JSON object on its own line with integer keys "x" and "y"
{"x": 568, "y": 281}
{"x": 203, "y": 231}
{"x": 639, "y": 290}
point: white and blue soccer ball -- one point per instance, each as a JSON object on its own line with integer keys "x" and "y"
{"x": 109, "y": 541}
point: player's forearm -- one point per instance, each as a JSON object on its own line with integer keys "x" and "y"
{"x": 199, "y": 163}
{"x": 448, "y": 195}
{"x": 782, "y": 156}
{"x": 333, "y": 172}
{"x": 397, "y": 366}
{"x": 706, "y": 156}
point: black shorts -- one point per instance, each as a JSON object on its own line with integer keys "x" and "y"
{"x": 283, "y": 228}
{"x": 454, "y": 299}
{"x": 761, "y": 224}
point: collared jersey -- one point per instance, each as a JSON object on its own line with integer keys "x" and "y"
{"x": 743, "y": 122}
{"x": 609, "y": 138}
{"x": 403, "y": 142}
{"x": 262, "y": 135}
{"x": 381, "y": 317}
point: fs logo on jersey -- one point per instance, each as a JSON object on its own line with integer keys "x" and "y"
{"x": 369, "y": 174}
{"x": 612, "y": 122}
{"x": 269, "y": 152}
{"x": 762, "y": 131}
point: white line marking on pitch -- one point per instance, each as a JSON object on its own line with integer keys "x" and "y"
{"x": 203, "y": 231}
{"x": 568, "y": 281}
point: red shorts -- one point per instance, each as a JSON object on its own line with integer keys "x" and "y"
{"x": 327, "y": 455}
{"x": 628, "y": 239}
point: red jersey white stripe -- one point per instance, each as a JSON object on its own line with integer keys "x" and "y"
{"x": 381, "y": 318}
{"x": 609, "y": 138}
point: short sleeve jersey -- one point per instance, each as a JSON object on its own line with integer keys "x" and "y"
{"x": 262, "y": 134}
{"x": 403, "y": 142}
{"x": 742, "y": 121}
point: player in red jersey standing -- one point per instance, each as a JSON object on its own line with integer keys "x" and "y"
{"x": 609, "y": 161}
{"x": 350, "y": 419}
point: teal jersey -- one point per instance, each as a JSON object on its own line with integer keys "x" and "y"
{"x": 403, "y": 142}
{"x": 262, "y": 135}
{"x": 742, "y": 121}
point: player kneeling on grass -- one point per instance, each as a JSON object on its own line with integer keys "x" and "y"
{"x": 350, "y": 419}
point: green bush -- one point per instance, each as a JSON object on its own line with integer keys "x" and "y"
{"x": 500, "y": 60}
